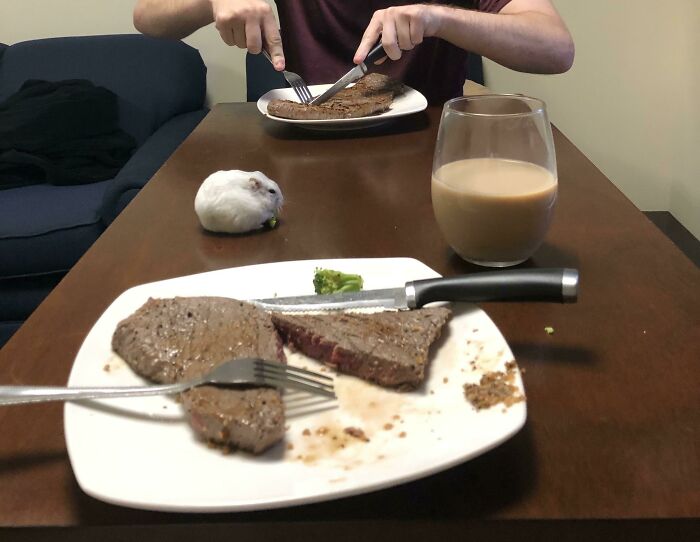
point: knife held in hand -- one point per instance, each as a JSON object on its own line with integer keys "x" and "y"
{"x": 560, "y": 285}
{"x": 352, "y": 76}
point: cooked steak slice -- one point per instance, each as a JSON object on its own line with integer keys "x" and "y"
{"x": 359, "y": 107}
{"x": 388, "y": 348}
{"x": 373, "y": 83}
{"x": 168, "y": 340}
{"x": 371, "y": 95}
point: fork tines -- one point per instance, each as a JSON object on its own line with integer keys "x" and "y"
{"x": 299, "y": 86}
{"x": 286, "y": 376}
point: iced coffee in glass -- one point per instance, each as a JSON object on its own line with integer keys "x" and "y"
{"x": 494, "y": 181}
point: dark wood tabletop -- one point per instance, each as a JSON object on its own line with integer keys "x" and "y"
{"x": 611, "y": 444}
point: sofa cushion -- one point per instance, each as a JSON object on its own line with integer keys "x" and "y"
{"x": 138, "y": 69}
{"x": 46, "y": 228}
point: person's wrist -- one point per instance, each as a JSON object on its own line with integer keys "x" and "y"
{"x": 439, "y": 17}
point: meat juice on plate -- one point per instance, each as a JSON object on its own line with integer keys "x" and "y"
{"x": 493, "y": 210}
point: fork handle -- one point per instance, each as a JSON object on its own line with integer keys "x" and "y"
{"x": 15, "y": 395}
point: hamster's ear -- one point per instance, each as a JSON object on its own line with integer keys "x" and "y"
{"x": 255, "y": 184}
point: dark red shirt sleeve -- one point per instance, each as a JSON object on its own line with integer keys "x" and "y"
{"x": 491, "y": 6}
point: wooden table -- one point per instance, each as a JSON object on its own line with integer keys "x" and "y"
{"x": 611, "y": 442}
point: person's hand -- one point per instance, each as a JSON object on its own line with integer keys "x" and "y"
{"x": 249, "y": 24}
{"x": 401, "y": 29}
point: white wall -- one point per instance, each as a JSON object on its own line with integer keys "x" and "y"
{"x": 631, "y": 102}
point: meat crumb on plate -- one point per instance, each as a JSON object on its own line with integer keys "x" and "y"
{"x": 494, "y": 387}
{"x": 357, "y": 433}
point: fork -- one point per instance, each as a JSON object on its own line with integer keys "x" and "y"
{"x": 295, "y": 81}
{"x": 234, "y": 372}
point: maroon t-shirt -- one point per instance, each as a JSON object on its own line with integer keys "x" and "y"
{"x": 320, "y": 38}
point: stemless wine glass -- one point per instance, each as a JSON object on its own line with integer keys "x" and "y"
{"x": 494, "y": 177}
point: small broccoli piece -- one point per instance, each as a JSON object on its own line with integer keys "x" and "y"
{"x": 271, "y": 223}
{"x": 549, "y": 330}
{"x": 328, "y": 281}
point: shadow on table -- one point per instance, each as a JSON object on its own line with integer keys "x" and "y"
{"x": 410, "y": 123}
{"x": 13, "y": 463}
{"x": 538, "y": 351}
{"x": 481, "y": 487}
{"x": 548, "y": 255}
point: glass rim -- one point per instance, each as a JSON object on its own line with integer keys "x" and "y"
{"x": 541, "y": 106}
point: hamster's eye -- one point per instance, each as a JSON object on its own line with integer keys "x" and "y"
{"x": 272, "y": 191}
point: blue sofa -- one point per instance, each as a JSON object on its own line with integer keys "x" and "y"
{"x": 44, "y": 229}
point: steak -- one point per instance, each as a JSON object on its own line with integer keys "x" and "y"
{"x": 168, "y": 340}
{"x": 388, "y": 348}
{"x": 372, "y": 94}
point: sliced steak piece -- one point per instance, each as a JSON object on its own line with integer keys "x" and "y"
{"x": 371, "y": 95}
{"x": 359, "y": 107}
{"x": 373, "y": 83}
{"x": 388, "y": 348}
{"x": 168, "y": 340}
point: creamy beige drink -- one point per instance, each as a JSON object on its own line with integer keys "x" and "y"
{"x": 491, "y": 210}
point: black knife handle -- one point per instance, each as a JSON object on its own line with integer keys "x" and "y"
{"x": 512, "y": 285}
{"x": 375, "y": 54}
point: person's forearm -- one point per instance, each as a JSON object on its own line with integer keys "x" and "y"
{"x": 171, "y": 18}
{"x": 527, "y": 41}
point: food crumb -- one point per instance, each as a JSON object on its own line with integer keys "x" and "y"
{"x": 388, "y": 426}
{"x": 402, "y": 434}
{"x": 396, "y": 417}
{"x": 549, "y": 330}
{"x": 432, "y": 392}
{"x": 290, "y": 446}
{"x": 321, "y": 430}
{"x": 493, "y": 388}
{"x": 380, "y": 456}
{"x": 106, "y": 368}
{"x": 357, "y": 433}
{"x": 445, "y": 380}
{"x": 306, "y": 432}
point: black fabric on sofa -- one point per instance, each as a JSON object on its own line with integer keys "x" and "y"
{"x": 45, "y": 229}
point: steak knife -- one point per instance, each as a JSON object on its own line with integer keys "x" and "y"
{"x": 556, "y": 284}
{"x": 352, "y": 76}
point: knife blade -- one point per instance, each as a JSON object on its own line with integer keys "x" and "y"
{"x": 353, "y": 75}
{"x": 556, "y": 284}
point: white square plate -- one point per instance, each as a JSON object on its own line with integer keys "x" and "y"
{"x": 141, "y": 453}
{"x": 411, "y": 101}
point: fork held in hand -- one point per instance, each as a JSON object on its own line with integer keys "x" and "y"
{"x": 295, "y": 81}
{"x": 242, "y": 371}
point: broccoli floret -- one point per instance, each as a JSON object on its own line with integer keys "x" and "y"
{"x": 328, "y": 281}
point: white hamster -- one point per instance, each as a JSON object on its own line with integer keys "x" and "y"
{"x": 237, "y": 201}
